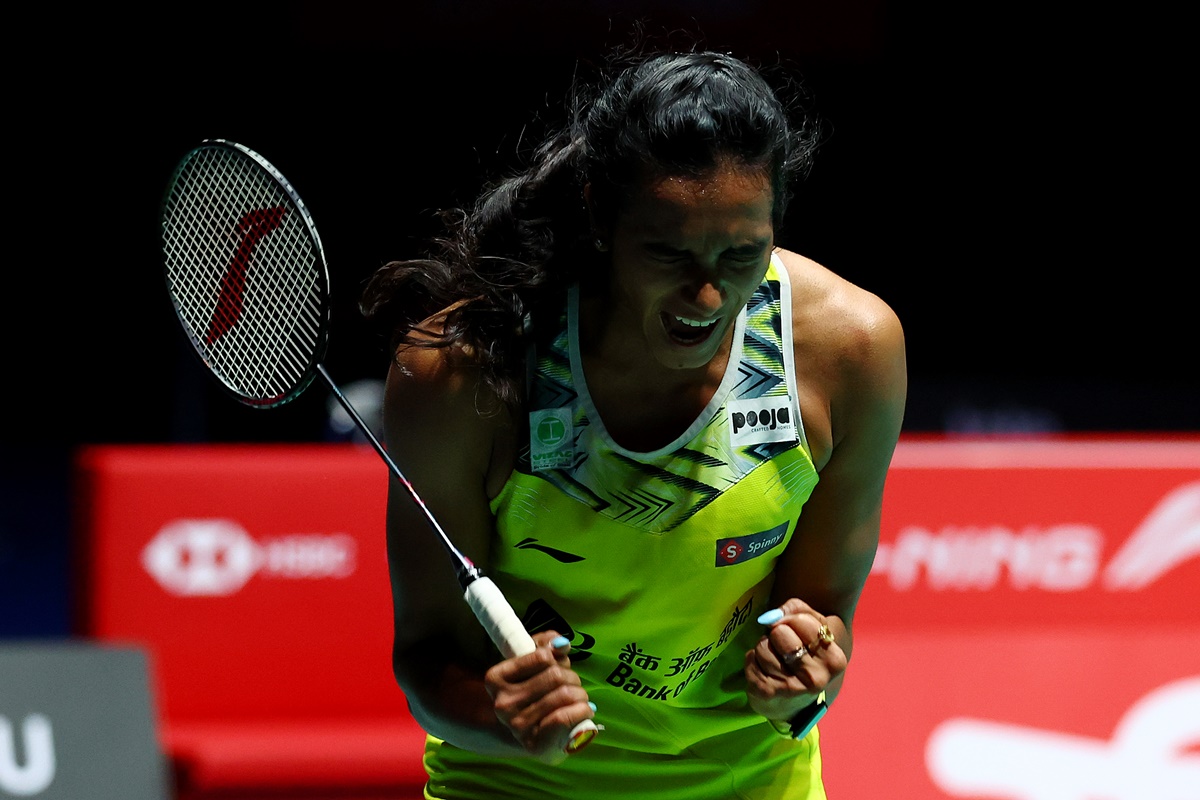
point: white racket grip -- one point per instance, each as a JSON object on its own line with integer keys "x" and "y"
{"x": 498, "y": 618}
{"x": 509, "y": 634}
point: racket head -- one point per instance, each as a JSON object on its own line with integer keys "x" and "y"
{"x": 246, "y": 272}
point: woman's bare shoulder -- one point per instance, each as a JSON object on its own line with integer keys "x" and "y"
{"x": 437, "y": 400}
{"x": 837, "y": 315}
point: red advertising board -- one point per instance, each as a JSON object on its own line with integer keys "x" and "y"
{"x": 239, "y": 555}
{"x": 255, "y": 578}
{"x": 998, "y": 533}
{"x": 1030, "y": 629}
{"x": 1034, "y": 711}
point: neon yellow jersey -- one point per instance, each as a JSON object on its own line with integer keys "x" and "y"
{"x": 655, "y": 566}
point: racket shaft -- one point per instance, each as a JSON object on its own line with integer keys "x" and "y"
{"x": 482, "y": 594}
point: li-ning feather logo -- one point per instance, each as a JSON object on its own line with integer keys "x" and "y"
{"x": 253, "y": 226}
{"x": 555, "y": 553}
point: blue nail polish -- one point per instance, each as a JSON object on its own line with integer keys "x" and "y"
{"x": 560, "y": 642}
{"x": 592, "y": 706}
{"x": 770, "y": 617}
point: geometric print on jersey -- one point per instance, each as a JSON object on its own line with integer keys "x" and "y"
{"x": 657, "y": 492}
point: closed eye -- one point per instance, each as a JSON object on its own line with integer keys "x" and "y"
{"x": 748, "y": 258}
{"x": 745, "y": 256}
{"x": 667, "y": 255}
{"x": 753, "y": 260}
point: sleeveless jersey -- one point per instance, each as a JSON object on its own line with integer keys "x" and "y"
{"x": 655, "y": 565}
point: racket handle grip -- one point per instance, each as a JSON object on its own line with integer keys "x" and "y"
{"x": 498, "y": 618}
{"x": 505, "y": 628}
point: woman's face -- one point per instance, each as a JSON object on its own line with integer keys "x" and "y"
{"x": 687, "y": 254}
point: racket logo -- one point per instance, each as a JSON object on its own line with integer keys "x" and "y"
{"x": 253, "y": 226}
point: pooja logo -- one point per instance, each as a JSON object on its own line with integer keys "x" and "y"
{"x": 761, "y": 420}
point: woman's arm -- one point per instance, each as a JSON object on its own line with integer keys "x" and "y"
{"x": 444, "y": 430}
{"x": 820, "y": 576}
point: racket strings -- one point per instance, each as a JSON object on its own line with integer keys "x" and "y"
{"x": 246, "y": 273}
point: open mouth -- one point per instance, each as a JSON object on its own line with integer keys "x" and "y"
{"x": 687, "y": 331}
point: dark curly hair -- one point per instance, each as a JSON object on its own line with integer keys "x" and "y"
{"x": 505, "y": 263}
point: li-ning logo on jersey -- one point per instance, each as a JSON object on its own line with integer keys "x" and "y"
{"x": 761, "y": 420}
{"x": 558, "y": 555}
{"x": 743, "y": 548}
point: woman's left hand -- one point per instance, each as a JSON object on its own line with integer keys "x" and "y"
{"x": 794, "y": 661}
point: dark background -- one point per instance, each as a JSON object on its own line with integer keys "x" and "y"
{"x": 1013, "y": 181}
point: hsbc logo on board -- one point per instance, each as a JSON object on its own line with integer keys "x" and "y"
{"x": 207, "y": 557}
{"x": 1062, "y": 557}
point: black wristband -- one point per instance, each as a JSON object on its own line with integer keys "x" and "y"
{"x": 807, "y": 718}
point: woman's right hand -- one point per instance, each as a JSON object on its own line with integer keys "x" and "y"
{"x": 539, "y": 698}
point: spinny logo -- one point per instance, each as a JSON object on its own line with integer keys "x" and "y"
{"x": 743, "y": 548}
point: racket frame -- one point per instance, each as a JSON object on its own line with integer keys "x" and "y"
{"x": 322, "y": 316}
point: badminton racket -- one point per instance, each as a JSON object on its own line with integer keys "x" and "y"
{"x": 247, "y": 276}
